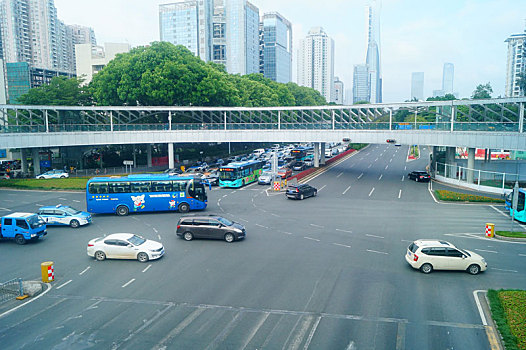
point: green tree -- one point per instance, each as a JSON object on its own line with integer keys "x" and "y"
{"x": 482, "y": 91}
{"x": 305, "y": 96}
{"x": 61, "y": 91}
{"x": 362, "y": 102}
{"x": 446, "y": 97}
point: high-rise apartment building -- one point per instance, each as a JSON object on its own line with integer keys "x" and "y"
{"x": 516, "y": 64}
{"x": 188, "y": 23}
{"x": 338, "y": 91}
{"x": 373, "y": 52}
{"x": 31, "y": 32}
{"x": 316, "y": 62}
{"x": 417, "y": 86}
{"x": 361, "y": 89}
{"x": 242, "y": 37}
{"x": 276, "y": 47}
{"x": 448, "y": 74}
{"x": 90, "y": 59}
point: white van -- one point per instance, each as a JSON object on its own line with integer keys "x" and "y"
{"x": 258, "y": 152}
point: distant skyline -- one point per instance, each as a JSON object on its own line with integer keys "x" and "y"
{"x": 415, "y": 35}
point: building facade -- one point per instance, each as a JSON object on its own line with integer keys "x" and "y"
{"x": 339, "y": 92}
{"x": 361, "y": 87}
{"x": 417, "y": 86}
{"x": 373, "y": 53}
{"x": 516, "y": 64}
{"x": 219, "y": 33}
{"x": 316, "y": 63}
{"x": 90, "y": 59}
{"x": 188, "y": 23}
{"x": 448, "y": 75}
{"x": 276, "y": 47}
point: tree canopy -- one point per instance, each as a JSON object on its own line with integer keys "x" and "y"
{"x": 61, "y": 91}
{"x": 482, "y": 91}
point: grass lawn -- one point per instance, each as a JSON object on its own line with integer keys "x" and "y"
{"x": 72, "y": 183}
{"x": 464, "y": 197}
{"x": 514, "y": 234}
{"x": 508, "y": 309}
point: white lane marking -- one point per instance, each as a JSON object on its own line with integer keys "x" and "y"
{"x": 219, "y": 200}
{"x": 390, "y": 160}
{"x": 276, "y": 215}
{"x": 76, "y": 201}
{"x": 359, "y": 177}
{"x": 369, "y": 166}
{"x": 368, "y": 235}
{"x": 225, "y": 195}
{"x": 243, "y": 219}
{"x": 285, "y": 232}
{"x": 479, "y": 307}
{"x": 429, "y": 188}
{"x": 254, "y": 330}
{"x": 405, "y": 240}
{"x": 387, "y": 166}
{"x": 340, "y": 174}
{"x": 39, "y": 205}
{"x": 347, "y": 189}
{"x": 234, "y": 191}
{"x": 342, "y": 245}
{"x": 370, "y": 193}
{"x": 487, "y": 251}
{"x": 159, "y": 236}
{"x": 64, "y": 284}
{"x": 128, "y": 283}
{"x": 27, "y": 302}
{"x": 5, "y": 209}
{"x": 311, "y": 334}
{"x": 322, "y": 187}
{"x": 312, "y": 239}
{"x": 376, "y": 159}
{"x": 318, "y": 226}
{"x": 493, "y": 268}
{"x": 146, "y": 268}
{"x": 83, "y": 271}
{"x": 400, "y": 194}
{"x": 155, "y": 230}
{"x": 403, "y": 176}
{"x": 501, "y": 213}
{"x": 134, "y": 218}
{"x": 405, "y": 168}
{"x": 62, "y": 199}
{"x": 377, "y": 252}
{"x": 343, "y": 230}
{"x": 380, "y": 176}
{"x": 522, "y": 254}
{"x": 261, "y": 226}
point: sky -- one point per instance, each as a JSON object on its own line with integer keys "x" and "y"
{"x": 415, "y": 35}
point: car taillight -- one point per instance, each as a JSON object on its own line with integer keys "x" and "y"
{"x": 90, "y": 245}
{"x": 178, "y": 227}
{"x": 415, "y": 257}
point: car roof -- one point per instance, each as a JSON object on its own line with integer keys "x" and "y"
{"x": 213, "y": 216}
{"x": 59, "y": 206}
{"x": 119, "y": 236}
{"x": 432, "y": 243}
{"x": 19, "y": 215}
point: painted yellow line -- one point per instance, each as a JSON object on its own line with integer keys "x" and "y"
{"x": 492, "y": 338}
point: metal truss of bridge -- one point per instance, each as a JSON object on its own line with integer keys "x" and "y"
{"x": 492, "y": 123}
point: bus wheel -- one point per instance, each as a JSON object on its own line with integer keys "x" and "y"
{"x": 122, "y": 210}
{"x": 184, "y": 208}
{"x": 19, "y": 239}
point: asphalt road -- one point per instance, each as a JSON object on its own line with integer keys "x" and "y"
{"x": 322, "y": 273}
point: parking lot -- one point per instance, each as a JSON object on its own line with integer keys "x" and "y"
{"x": 327, "y": 272}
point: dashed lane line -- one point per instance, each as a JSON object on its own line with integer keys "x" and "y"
{"x": 76, "y": 201}
{"x": 387, "y": 166}
{"x": 312, "y": 239}
{"x": 159, "y": 237}
{"x": 381, "y": 175}
{"x": 522, "y": 254}
{"x": 5, "y": 209}
{"x": 359, "y": 177}
{"x": 340, "y": 174}
{"x": 342, "y": 245}
{"x": 370, "y": 193}
{"x": 369, "y": 166}
{"x": 403, "y": 176}
{"x": 261, "y": 225}
{"x": 285, "y": 232}
{"x": 64, "y": 284}
{"x": 322, "y": 187}
{"x": 487, "y": 251}
{"x": 128, "y": 283}
{"x": 343, "y": 230}
{"x": 368, "y": 235}
{"x": 84, "y": 271}
{"x": 318, "y": 226}
{"x": 503, "y": 270}
{"x": 39, "y": 205}
{"x": 146, "y": 268}
{"x": 400, "y": 194}
{"x": 154, "y": 229}
{"x": 377, "y": 252}
{"x": 62, "y": 199}
{"x": 347, "y": 189}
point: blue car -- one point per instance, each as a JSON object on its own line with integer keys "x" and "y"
{"x": 64, "y": 215}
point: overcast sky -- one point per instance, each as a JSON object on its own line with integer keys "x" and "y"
{"x": 416, "y": 35}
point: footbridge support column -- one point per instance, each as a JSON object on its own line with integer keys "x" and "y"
{"x": 171, "y": 163}
{"x": 23, "y": 160}
{"x": 316, "y": 154}
{"x": 149, "y": 155}
{"x": 322, "y": 161}
{"x": 471, "y": 165}
{"x": 450, "y": 161}
{"x": 36, "y": 160}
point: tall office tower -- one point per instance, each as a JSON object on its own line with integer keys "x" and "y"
{"x": 448, "y": 75}
{"x": 417, "y": 86}
{"x": 360, "y": 86}
{"x": 82, "y": 35}
{"x": 188, "y": 23}
{"x": 316, "y": 62}
{"x": 373, "y": 52}
{"x": 32, "y": 33}
{"x": 516, "y": 64}
{"x": 338, "y": 91}
{"x": 219, "y": 33}
{"x": 276, "y": 47}
{"x": 242, "y": 37}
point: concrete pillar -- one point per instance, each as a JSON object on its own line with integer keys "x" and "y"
{"x": 134, "y": 156}
{"x": 36, "y": 161}
{"x": 471, "y": 165}
{"x": 316, "y": 154}
{"x": 450, "y": 161}
{"x": 23, "y": 160}
{"x": 149, "y": 155}
{"x": 433, "y": 160}
{"x": 322, "y": 160}
{"x": 171, "y": 163}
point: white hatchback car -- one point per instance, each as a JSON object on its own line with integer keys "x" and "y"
{"x": 125, "y": 246}
{"x": 53, "y": 174}
{"x": 428, "y": 255}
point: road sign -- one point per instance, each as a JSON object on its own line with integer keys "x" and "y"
{"x": 127, "y": 162}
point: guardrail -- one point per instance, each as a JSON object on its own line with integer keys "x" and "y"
{"x": 11, "y": 289}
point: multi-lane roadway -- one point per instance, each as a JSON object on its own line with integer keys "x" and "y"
{"x": 323, "y": 273}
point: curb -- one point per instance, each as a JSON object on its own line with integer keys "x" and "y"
{"x": 494, "y": 337}
{"x": 510, "y": 239}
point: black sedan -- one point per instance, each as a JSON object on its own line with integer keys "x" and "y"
{"x": 419, "y": 176}
{"x": 299, "y": 166}
{"x": 301, "y": 191}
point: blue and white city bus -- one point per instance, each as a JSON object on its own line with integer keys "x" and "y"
{"x": 239, "y": 174}
{"x": 520, "y": 213}
{"x": 300, "y": 153}
{"x": 143, "y": 193}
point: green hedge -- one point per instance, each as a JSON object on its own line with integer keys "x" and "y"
{"x": 72, "y": 183}
{"x": 464, "y": 197}
{"x": 511, "y": 234}
{"x": 508, "y": 309}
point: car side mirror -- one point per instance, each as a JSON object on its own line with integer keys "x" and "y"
{"x": 463, "y": 256}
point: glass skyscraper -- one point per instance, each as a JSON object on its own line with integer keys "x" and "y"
{"x": 276, "y": 41}
{"x": 417, "y": 86}
{"x": 242, "y": 37}
{"x": 360, "y": 87}
{"x": 448, "y": 75}
{"x": 373, "y": 53}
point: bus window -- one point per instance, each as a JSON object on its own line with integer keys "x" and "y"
{"x": 179, "y": 185}
{"x": 98, "y": 187}
{"x": 119, "y": 187}
{"x": 140, "y": 186}
{"x": 520, "y": 204}
{"x": 162, "y": 186}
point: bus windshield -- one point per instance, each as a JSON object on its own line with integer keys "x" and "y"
{"x": 227, "y": 174}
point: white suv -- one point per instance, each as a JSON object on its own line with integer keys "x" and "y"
{"x": 428, "y": 255}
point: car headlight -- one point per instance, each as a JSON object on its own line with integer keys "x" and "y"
{"x": 33, "y": 235}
